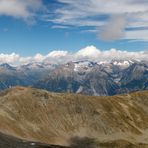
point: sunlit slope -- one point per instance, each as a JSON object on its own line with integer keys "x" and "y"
{"x": 57, "y": 118}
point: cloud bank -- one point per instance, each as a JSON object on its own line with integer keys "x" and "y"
{"x": 88, "y": 53}
{"x": 107, "y": 16}
{"x": 110, "y": 19}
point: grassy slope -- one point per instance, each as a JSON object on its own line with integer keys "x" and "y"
{"x": 58, "y": 118}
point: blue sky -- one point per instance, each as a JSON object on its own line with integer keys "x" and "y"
{"x": 40, "y": 26}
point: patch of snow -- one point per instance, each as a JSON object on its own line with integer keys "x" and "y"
{"x": 102, "y": 62}
{"x": 123, "y": 63}
{"x": 80, "y": 89}
{"x": 32, "y": 144}
{"x": 117, "y": 80}
{"x": 82, "y": 65}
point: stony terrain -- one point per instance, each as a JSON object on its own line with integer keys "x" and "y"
{"x": 99, "y": 79}
{"x": 81, "y": 77}
{"x": 70, "y": 119}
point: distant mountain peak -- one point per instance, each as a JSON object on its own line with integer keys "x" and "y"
{"x": 85, "y": 64}
{"x": 122, "y": 63}
{"x": 7, "y": 66}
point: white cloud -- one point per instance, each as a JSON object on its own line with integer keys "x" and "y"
{"x": 137, "y": 35}
{"x": 92, "y": 53}
{"x": 90, "y": 12}
{"x": 24, "y": 9}
{"x": 39, "y": 57}
{"x": 118, "y": 54}
{"x": 9, "y": 58}
{"x": 89, "y": 53}
{"x": 59, "y": 27}
{"x": 57, "y": 54}
{"x": 114, "y": 29}
{"x": 108, "y": 17}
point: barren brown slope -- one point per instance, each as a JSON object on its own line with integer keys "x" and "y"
{"x": 58, "y": 118}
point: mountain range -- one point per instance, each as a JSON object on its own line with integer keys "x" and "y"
{"x": 85, "y": 77}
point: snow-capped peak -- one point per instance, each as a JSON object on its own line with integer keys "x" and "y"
{"x": 83, "y": 65}
{"x": 122, "y": 63}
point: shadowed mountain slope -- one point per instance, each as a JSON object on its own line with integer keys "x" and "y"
{"x": 12, "y": 142}
{"x": 80, "y": 77}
